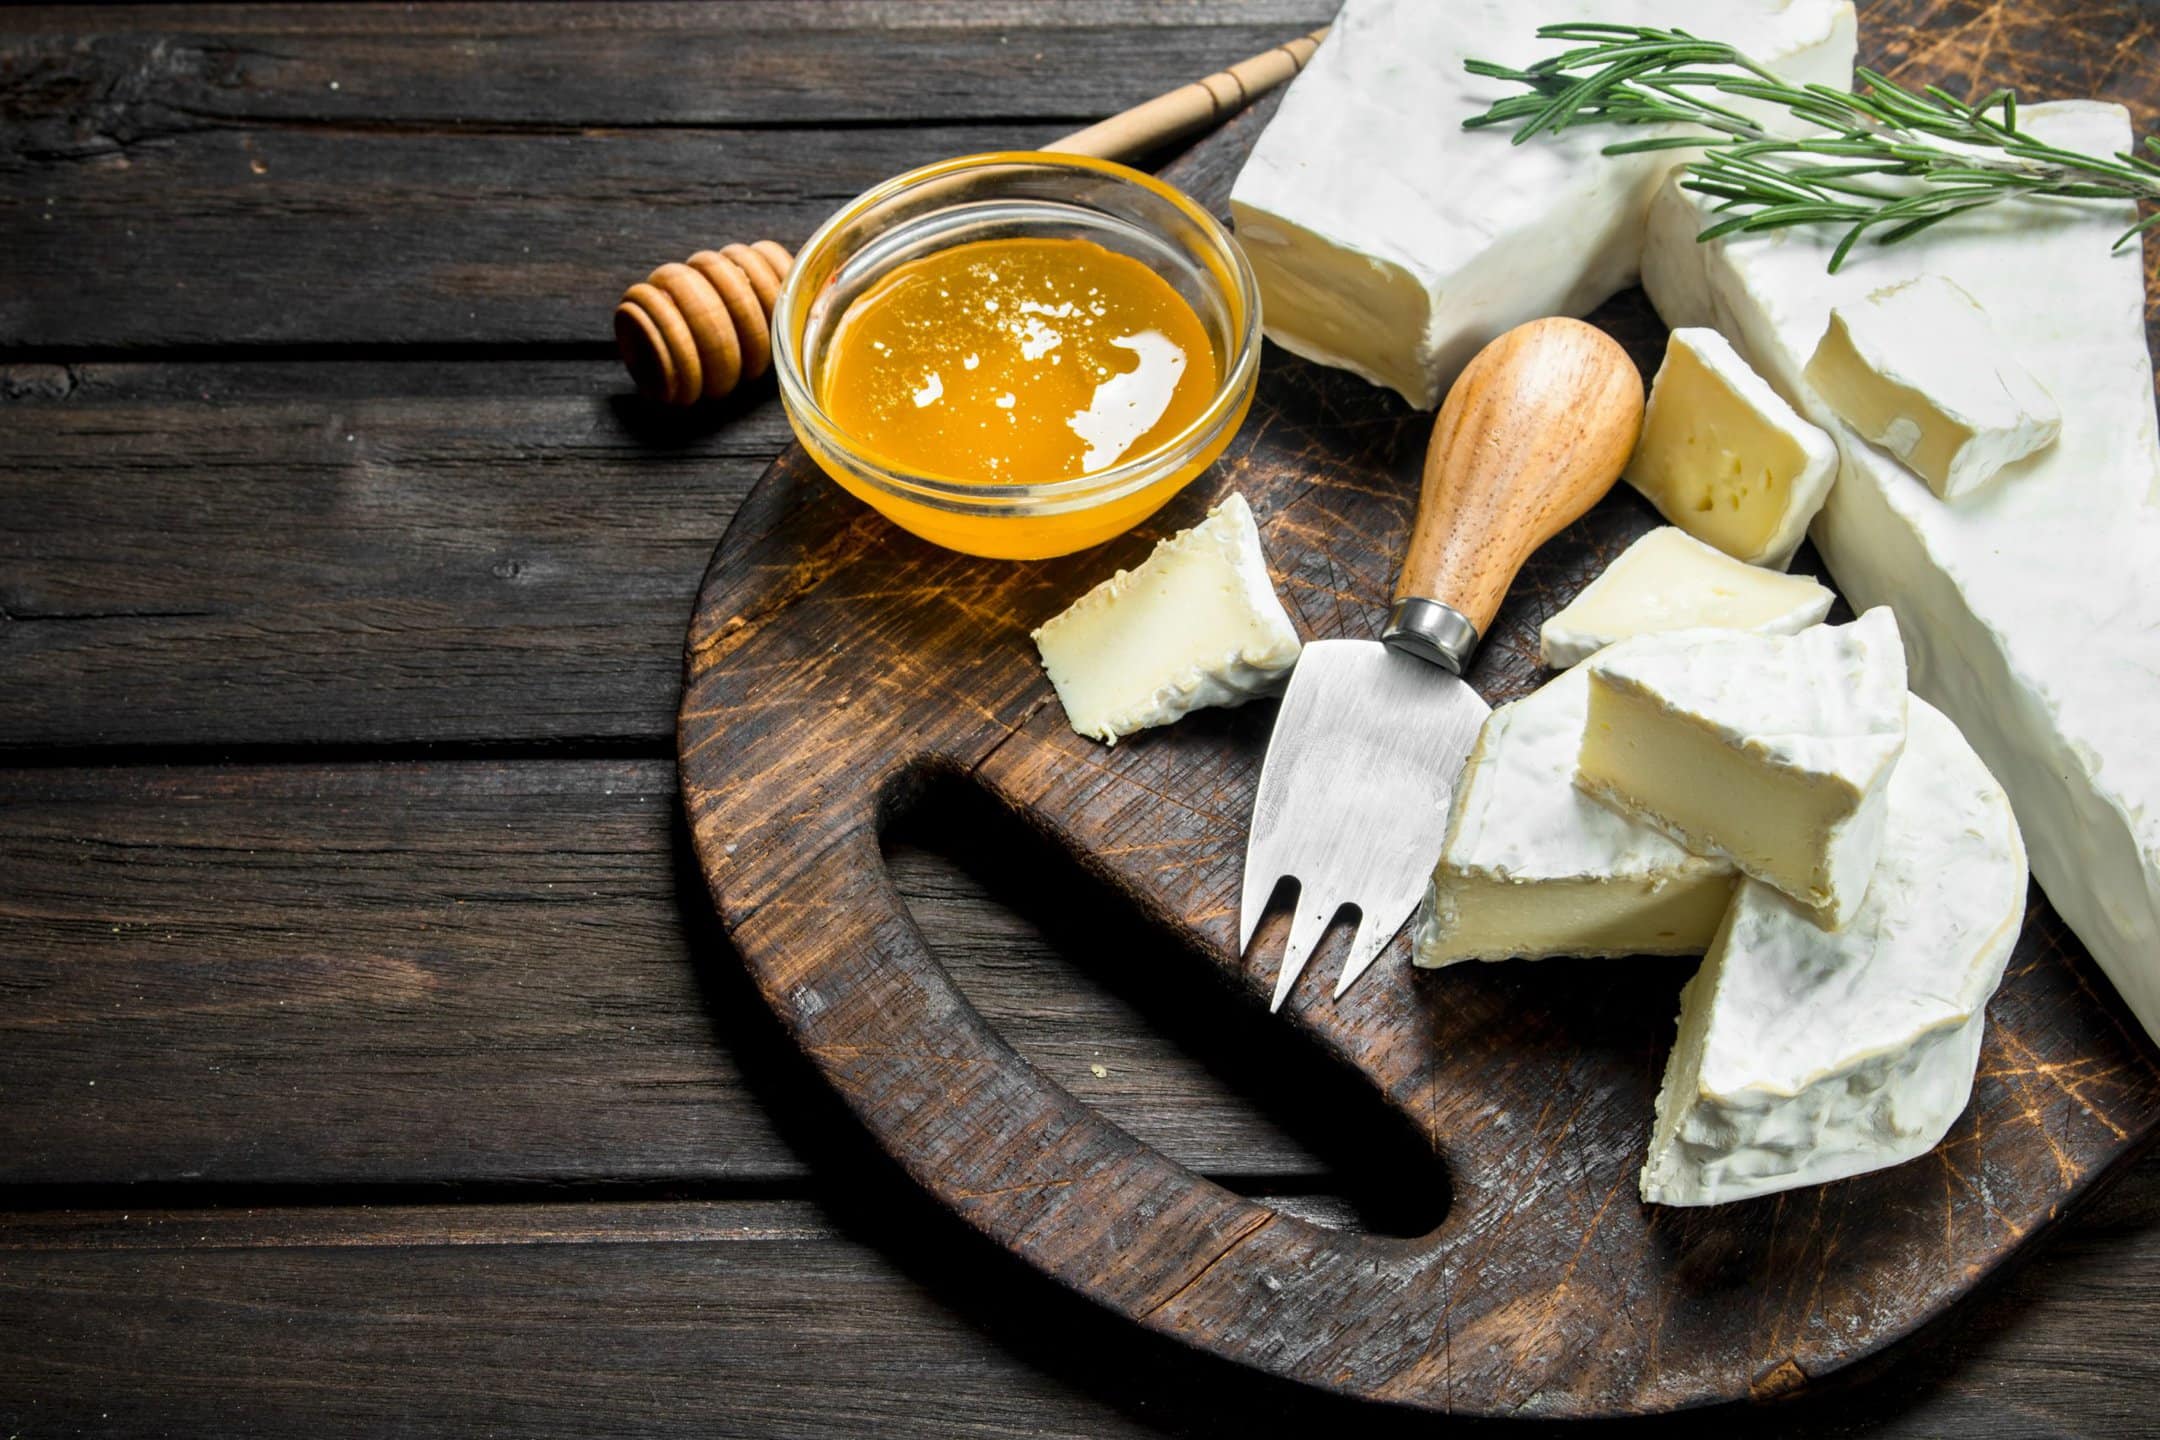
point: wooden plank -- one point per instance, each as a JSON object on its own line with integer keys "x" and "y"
{"x": 345, "y": 553}
{"x": 865, "y": 1314}
{"x": 494, "y": 972}
{"x": 173, "y": 177}
{"x": 766, "y": 62}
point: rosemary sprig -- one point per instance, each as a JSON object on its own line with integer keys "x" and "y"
{"x": 1889, "y": 160}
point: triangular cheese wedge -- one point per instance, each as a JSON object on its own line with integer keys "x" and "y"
{"x": 1806, "y": 1055}
{"x": 1197, "y": 623}
{"x": 1772, "y": 751}
{"x": 1533, "y": 867}
{"x": 1669, "y": 580}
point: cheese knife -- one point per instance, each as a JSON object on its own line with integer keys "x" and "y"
{"x": 1372, "y": 735}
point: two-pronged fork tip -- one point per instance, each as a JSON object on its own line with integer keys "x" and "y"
{"x": 1308, "y": 925}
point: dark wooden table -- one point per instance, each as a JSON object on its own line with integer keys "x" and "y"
{"x": 369, "y": 1059}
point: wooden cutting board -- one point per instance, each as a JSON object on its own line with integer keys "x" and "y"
{"x": 834, "y": 663}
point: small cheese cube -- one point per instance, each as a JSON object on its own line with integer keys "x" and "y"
{"x": 1668, "y": 580}
{"x": 1724, "y": 458}
{"x": 1918, "y": 369}
{"x": 1197, "y": 623}
{"x": 1772, "y": 751}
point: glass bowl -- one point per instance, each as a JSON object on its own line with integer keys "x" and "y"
{"x": 999, "y": 196}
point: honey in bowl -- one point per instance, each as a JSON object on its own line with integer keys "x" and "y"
{"x": 1018, "y": 355}
{"x": 1018, "y": 361}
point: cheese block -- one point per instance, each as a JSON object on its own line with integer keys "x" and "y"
{"x": 1533, "y": 867}
{"x": 1668, "y": 580}
{"x": 1197, "y": 623}
{"x": 1772, "y": 751}
{"x": 1807, "y": 1055}
{"x": 1723, "y": 458}
{"x": 1352, "y": 207}
{"x": 1917, "y": 369}
{"x": 2030, "y": 608}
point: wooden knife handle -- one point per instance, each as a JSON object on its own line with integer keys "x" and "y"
{"x": 1533, "y": 433}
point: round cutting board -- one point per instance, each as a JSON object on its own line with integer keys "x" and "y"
{"x": 834, "y": 663}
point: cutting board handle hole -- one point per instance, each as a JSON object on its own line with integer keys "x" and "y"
{"x": 1186, "y": 1066}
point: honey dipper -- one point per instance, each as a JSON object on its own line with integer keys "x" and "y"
{"x": 702, "y": 327}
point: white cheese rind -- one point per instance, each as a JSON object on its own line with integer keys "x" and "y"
{"x": 1772, "y": 751}
{"x": 1917, "y": 369}
{"x": 1532, "y": 867}
{"x": 1351, "y": 206}
{"x": 1197, "y": 623}
{"x": 1804, "y": 1055}
{"x": 1669, "y": 580}
{"x": 2031, "y": 608}
{"x": 1724, "y": 458}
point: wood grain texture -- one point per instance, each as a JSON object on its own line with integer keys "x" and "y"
{"x": 489, "y": 973}
{"x": 573, "y": 1319}
{"x": 833, "y": 663}
{"x": 491, "y": 175}
{"x": 349, "y": 553}
{"x": 1532, "y": 435}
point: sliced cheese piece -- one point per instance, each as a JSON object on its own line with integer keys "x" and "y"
{"x": 1352, "y": 205}
{"x": 1806, "y": 1055}
{"x": 1723, "y": 458}
{"x": 1197, "y": 623}
{"x": 1533, "y": 867}
{"x": 2031, "y": 608}
{"x": 1668, "y": 580}
{"x": 1917, "y": 369}
{"x": 1773, "y": 751}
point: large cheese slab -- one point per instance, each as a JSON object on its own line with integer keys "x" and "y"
{"x": 2030, "y": 608}
{"x": 1392, "y": 242}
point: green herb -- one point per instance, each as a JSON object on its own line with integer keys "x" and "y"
{"x": 1887, "y": 161}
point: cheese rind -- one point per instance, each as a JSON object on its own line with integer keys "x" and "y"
{"x": 1917, "y": 369}
{"x": 1532, "y": 867}
{"x": 2030, "y": 607}
{"x": 1669, "y": 580}
{"x": 1772, "y": 751}
{"x": 1350, "y": 207}
{"x": 1806, "y": 1055}
{"x": 1197, "y": 623}
{"x": 1724, "y": 458}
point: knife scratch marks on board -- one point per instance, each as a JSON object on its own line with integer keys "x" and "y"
{"x": 1259, "y": 1223}
{"x": 1022, "y": 1188}
{"x": 2021, "y": 1094}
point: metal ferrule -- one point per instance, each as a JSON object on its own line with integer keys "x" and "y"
{"x": 1432, "y": 631}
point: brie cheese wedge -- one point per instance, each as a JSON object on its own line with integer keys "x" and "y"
{"x": 1533, "y": 867}
{"x": 1668, "y": 580}
{"x": 1351, "y": 207}
{"x": 1806, "y": 1055}
{"x": 1198, "y": 623}
{"x": 2030, "y": 608}
{"x": 1723, "y": 458}
{"x": 1918, "y": 369}
{"x": 1772, "y": 751}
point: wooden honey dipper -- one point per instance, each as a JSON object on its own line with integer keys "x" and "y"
{"x": 701, "y": 327}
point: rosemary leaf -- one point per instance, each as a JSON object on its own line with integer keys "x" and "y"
{"x": 1946, "y": 156}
